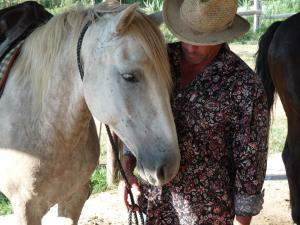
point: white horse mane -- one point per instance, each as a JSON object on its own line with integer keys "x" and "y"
{"x": 41, "y": 50}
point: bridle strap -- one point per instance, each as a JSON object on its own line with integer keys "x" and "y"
{"x": 112, "y": 142}
{"x": 79, "y": 45}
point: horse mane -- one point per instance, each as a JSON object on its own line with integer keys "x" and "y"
{"x": 41, "y": 49}
{"x": 154, "y": 45}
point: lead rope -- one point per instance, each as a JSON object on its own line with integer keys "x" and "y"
{"x": 128, "y": 186}
{"x": 112, "y": 142}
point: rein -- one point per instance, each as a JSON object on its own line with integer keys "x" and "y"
{"x": 79, "y": 45}
{"x": 112, "y": 142}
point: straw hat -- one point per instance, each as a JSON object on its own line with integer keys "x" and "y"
{"x": 204, "y": 22}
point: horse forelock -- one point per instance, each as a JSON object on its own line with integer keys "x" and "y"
{"x": 154, "y": 45}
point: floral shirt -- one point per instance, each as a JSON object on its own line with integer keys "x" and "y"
{"x": 222, "y": 125}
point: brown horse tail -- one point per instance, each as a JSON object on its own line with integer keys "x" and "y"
{"x": 262, "y": 67}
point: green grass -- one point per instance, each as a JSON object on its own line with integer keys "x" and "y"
{"x": 278, "y": 129}
{"x": 98, "y": 181}
{"x": 269, "y": 7}
{"x": 5, "y": 206}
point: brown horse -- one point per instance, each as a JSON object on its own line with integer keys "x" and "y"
{"x": 278, "y": 64}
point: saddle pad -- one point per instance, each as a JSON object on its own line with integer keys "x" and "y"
{"x": 7, "y": 63}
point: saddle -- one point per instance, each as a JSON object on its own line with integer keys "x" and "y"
{"x": 16, "y": 23}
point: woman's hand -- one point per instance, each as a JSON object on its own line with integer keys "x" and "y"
{"x": 129, "y": 163}
{"x": 124, "y": 192}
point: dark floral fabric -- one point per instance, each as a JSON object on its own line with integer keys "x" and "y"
{"x": 222, "y": 125}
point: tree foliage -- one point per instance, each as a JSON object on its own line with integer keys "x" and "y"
{"x": 50, "y": 4}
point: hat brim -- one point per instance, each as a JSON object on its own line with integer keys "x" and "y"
{"x": 171, "y": 14}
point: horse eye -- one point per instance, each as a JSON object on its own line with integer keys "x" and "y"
{"x": 129, "y": 77}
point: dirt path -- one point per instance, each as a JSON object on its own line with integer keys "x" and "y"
{"x": 276, "y": 209}
{"x": 107, "y": 209}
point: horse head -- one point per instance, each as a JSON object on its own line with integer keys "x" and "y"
{"x": 127, "y": 86}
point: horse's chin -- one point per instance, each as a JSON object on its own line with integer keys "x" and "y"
{"x": 148, "y": 176}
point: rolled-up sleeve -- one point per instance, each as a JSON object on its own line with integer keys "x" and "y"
{"x": 250, "y": 147}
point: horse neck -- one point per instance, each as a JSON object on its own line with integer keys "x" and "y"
{"x": 65, "y": 112}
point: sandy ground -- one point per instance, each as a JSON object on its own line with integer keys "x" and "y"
{"x": 276, "y": 210}
{"x": 107, "y": 209}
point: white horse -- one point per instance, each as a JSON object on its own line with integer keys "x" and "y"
{"x": 48, "y": 140}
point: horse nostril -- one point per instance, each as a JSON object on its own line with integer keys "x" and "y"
{"x": 161, "y": 175}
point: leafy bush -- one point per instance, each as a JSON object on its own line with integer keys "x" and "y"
{"x": 269, "y": 8}
{"x": 98, "y": 180}
{"x": 5, "y": 206}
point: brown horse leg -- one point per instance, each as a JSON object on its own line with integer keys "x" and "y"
{"x": 291, "y": 159}
{"x": 72, "y": 207}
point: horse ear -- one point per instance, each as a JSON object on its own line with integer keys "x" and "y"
{"x": 125, "y": 18}
{"x": 157, "y": 18}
